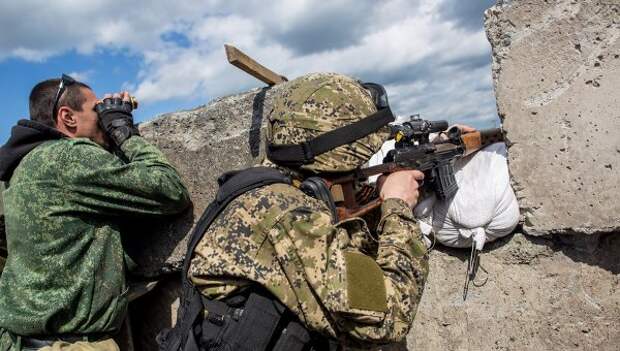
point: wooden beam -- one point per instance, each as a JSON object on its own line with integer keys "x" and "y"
{"x": 255, "y": 69}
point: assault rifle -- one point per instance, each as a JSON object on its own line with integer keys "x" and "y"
{"x": 413, "y": 150}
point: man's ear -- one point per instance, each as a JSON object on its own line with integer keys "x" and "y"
{"x": 66, "y": 118}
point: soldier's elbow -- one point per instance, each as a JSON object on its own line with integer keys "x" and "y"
{"x": 172, "y": 194}
{"x": 179, "y": 200}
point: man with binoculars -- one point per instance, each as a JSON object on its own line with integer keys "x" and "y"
{"x": 73, "y": 173}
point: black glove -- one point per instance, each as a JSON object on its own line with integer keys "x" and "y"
{"x": 116, "y": 119}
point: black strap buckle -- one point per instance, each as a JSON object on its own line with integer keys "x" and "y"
{"x": 308, "y": 153}
{"x": 215, "y": 318}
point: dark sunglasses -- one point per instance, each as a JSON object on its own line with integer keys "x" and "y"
{"x": 65, "y": 81}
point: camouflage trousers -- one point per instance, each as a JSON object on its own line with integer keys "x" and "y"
{"x": 105, "y": 345}
{"x": 12, "y": 343}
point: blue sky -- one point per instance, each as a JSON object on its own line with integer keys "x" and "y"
{"x": 432, "y": 55}
{"x": 106, "y": 71}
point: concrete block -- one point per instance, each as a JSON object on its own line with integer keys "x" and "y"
{"x": 556, "y": 68}
{"x": 532, "y": 294}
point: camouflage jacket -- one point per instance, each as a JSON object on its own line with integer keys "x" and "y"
{"x": 336, "y": 278}
{"x": 64, "y": 207}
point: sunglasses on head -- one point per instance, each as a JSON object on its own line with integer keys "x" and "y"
{"x": 65, "y": 81}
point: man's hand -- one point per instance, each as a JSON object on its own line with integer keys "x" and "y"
{"x": 115, "y": 117}
{"x": 443, "y": 136}
{"x": 401, "y": 185}
{"x": 464, "y": 128}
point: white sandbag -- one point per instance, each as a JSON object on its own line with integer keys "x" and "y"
{"x": 484, "y": 208}
{"x": 377, "y": 158}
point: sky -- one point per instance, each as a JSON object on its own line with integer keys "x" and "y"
{"x": 431, "y": 55}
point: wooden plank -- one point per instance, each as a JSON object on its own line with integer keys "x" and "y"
{"x": 249, "y": 65}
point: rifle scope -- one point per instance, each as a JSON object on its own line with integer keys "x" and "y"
{"x": 416, "y": 128}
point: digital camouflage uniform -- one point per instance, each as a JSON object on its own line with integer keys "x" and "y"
{"x": 64, "y": 206}
{"x": 336, "y": 278}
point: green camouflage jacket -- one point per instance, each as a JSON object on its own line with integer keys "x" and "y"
{"x": 336, "y": 278}
{"x": 64, "y": 207}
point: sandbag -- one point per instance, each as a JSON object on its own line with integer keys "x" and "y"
{"x": 483, "y": 209}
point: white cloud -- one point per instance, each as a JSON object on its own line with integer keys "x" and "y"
{"x": 30, "y": 54}
{"x": 429, "y": 61}
{"x": 82, "y": 76}
{"x": 51, "y": 28}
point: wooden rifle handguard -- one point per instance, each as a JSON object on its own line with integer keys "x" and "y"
{"x": 345, "y": 213}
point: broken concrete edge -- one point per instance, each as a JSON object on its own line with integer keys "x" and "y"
{"x": 534, "y": 294}
{"x": 211, "y": 103}
{"x": 586, "y": 231}
{"x": 583, "y": 248}
{"x": 576, "y": 246}
{"x": 500, "y": 47}
{"x": 500, "y": 44}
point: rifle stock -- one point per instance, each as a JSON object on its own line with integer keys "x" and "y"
{"x": 474, "y": 141}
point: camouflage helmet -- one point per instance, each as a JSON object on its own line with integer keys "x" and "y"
{"x": 318, "y": 103}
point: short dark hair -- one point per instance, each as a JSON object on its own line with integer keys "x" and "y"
{"x": 42, "y": 100}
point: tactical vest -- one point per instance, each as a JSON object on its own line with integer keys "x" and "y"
{"x": 254, "y": 320}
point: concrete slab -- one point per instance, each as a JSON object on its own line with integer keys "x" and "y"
{"x": 533, "y": 294}
{"x": 556, "y": 67}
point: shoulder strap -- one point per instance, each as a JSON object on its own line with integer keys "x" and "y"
{"x": 232, "y": 185}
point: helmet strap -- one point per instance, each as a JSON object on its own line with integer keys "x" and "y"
{"x": 295, "y": 155}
